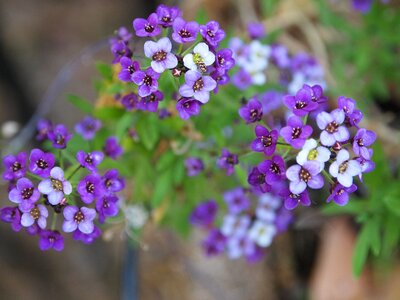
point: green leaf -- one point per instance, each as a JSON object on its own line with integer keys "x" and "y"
{"x": 109, "y": 113}
{"x": 162, "y": 188}
{"x": 361, "y": 251}
{"x": 165, "y": 161}
{"x": 147, "y": 130}
{"x": 391, "y": 234}
{"x": 392, "y": 199}
{"x": 123, "y": 124}
{"x": 354, "y": 207}
{"x": 105, "y": 70}
{"x": 241, "y": 174}
{"x": 179, "y": 171}
{"x": 81, "y": 104}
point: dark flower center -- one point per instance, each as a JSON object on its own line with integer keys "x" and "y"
{"x": 42, "y": 164}
{"x": 108, "y": 182}
{"x": 152, "y": 98}
{"x": 254, "y": 115}
{"x": 148, "y": 28}
{"x": 35, "y": 213}
{"x": 89, "y": 159}
{"x": 221, "y": 60}
{"x": 57, "y": 184}
{"x": 160, "y": 55}
{"x": 210, "y": 33}
{"x": 275, "y": 168}
{"x": 230, "y": 160}
{"x": 60, "y": 140}
{"x": 131, "y": 69}
{"x": 198, "y": 85}
{"x": 294, "y": 196}
{"x": 332, "y": 127}
{"x": 300, "y": 104}
{"x": 261, "y": 178}
{"x": 296, "y": 131}
{"x": 266, "y": 140}
{"x": 360, "y": 142}
{"x": 105, "y": 204}
{"x": 79, "y": 217}
{"x": 343, "y": 167}
{"x": 304, "y": 175}
{"x": 166, "y": 19}
{"x": 186, "y": 105}
{"x": 16, "y": 166}
{"x": 27, "y": 193}
{"x": 339, "y": 192}
{"x": 148, "y": 80}
{"x": 90, "y": 187}
{"x": 184, "y": 33}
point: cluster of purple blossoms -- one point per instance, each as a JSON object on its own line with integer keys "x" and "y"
{"x": 202, "y": 65}
{"x": 40, "y": 189}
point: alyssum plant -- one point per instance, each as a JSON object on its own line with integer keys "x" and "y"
{"x": 190, "y": 131}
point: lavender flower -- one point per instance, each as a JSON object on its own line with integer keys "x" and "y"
{"x": 43, "y": 127}
{"x": 270, "y": 101}
{"x": 293, "y": 200}
{"x": 280, "y": 56}
{"x": 204, "y": 214}
{"x": 267, "y": 206}
{"x": 340, "y": 194}
{"x": 90, "y": 160}
{"x": 112, "y": 182}
{"x": 352, "y": 116}
{"x": 361, "y": 141}
{"x": 215, "y": 243}
{"x": 146, "y": 80}
{"x": 201, "y": 58}
{"x": 301, "y": 104}
{"x": 242, "y": 79}
{"x": 112, "y": 149}
{"x": 120, "y": 50}
{"x": 51, "y": 239}
{"x": 344, "y": 169}
{"x": 107, "y": 207}
{"x": 25, "y": 194}
{"x": 274, "y": 169}
{"x": 167, "y": 15}
{"x": 37, "y": 214}
{"x": 88, "y": 127}
{"x": 56, "y": 186}
{"x": 78, "y": 218}
{"x": 224, "y": 59}
{"x": 257, "y": 179}
{"x": 265, "y": 141}
{"x": 227, "y": 161}
{"x": 256, "y": 30}
{"x": 330, "y": 124}
{"x": 193, "y": 166}
{"x": 40, "y": 163}
{"x": 11, "y": 215}
{"x": 129, "y": 67}
{"x": 188, "y": 107}
{"x": 197, "y": 86}
{"x": 362, "y": 6}
{"x": 150, "y": 102}
{"x": 160, "y": 53}
{"x": 236, "y": 200}
{"x": 147, "y": 27}
{"x": 87, "y": 238}
{"x": 311, "y": 151}
{"x": 235, "y": 225}
{"x": 295, "y": 133}
{"x": 122, "y": 34}
{"x": 14, "y": 166}
{"x": 221, "y": 77}
{"x": 59, "y": 136}
{"x": 251, "y": 112}
{"x": 130, "y": 101}
{"x": 262, "y": 233}
{"x": 317, "y": 93}
{"x": 212, "y": 34}
{"x": 184, "y": 32}
{"x": 90, "y": 187}
{"x": 303, "y": 176}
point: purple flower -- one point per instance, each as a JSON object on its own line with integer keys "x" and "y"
{"x": 78, "y": 218}
{"x": 235, "y": 225}
{"x": 107, "y": 207}
{"x": 362, "y": 140}
{"x": 167, "y": 15}
{"x": 251, "y": 112}
{"x": 25, "y": 194}
{"x": 270, "y": 101}
{"x": 317, "y": 93}
{"x": 122, "y": 34}
{"x": 160, "y": 53}
{"x": 88, "y": 127}
{"x": 129, "y": 67}
{"x": 293, "y": 200}
{"x": 242, "y": 79}
{"x": 227, "y": 161}
{"x": 330, "y": 124}
{"x": 362, "y": 6}
{"x": 14, "y": 166}
{"x": 59, "y": 136}
{"x": 302, "y": 103}
{"x": 204, "y": 213}
{"x": 236, "y": 200}
{"x": 184, "y": 32}
{"x": 283, "y": 219}
{"x": 147, "y": 27}
{"x": 257, "y": 179}
{"x": 43, "y": 127}
{"x": 11, "y": 215}
{"x": 224, "y": 59}
{"x": 267, "y": 206}
{"x": 150, "y": 102}
{"x": 212, "y": 34}
{"x": 238, "y": 246}
{"x": 311, "y": 151}
{"x": 302, "y": 176}
{"x": 366, "y": 165}
{"x": 344, "y": 169}
{"x": 265, "y": 141}
{"x": 296, "y": 133}
{"x": 280, "y": 56}
{"x": 221, "y": 77}
{"x": 120, "y": 50}
{"x": 130, "y": 101}
{"x": 146, "y": 80}
{"x": 274, "y": 169}
{"x": 51, "y": 239}
{"x": 37, "y": 214}
{"x": 352, "y": 116}
{"x": 112, "y": 148}
{"x": 112, "y": 182}
{"x": 215, "y": 242}
{"x": 256, "y": 30}
{"x": 87, "y": 238}
{"x": 340, "y": 194}
{"x": 56, "y": 186}
{"x": 40, "y": 163}
{"x": 90, "y": 160}
{"x": 90, "y": 187}
{"x": 193, "y": 166}
{"x": 197, "y": 86}
{"x": 188, "y": 107}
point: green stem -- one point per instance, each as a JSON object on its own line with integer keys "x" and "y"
{"x": 327, "y": 176}
{"x": 34, "y": 176}
{"x": 180, "y": 48}
{"x": 305, "y": 119}
{"x": 74, "y": 172}
{"x": 188, "y": 49}
{"x": 60, "y": 160}
{"x": 54, "y": 221}
{"x": 286, "y": 153}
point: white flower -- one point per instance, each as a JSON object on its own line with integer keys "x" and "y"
{"x": 267, "y": 205}
{"x": 262, "y": 233}
{"x": 310, "y": 151}
{"x": 202, "y": 57}
{"x": 234, "y": 225}
{"x": 344, "y": 169}
{"x": 136, "y": 216}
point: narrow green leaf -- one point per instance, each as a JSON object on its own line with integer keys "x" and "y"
{"x": 109, "y": 113}
{"x": 165, "y": 161}
{"x": 361, "y": 251}
{"x": 80, "y": 103}
{"x": 105, "y": 70}
{"x": 148, "y": 131}
{"x": 123, "y": 124}
{"x": 162, "y": 187}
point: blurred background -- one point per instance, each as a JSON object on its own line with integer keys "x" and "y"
{"x": 48, "y": 49}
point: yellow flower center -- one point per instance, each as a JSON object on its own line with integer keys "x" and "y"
{"x": 312, "y": 155}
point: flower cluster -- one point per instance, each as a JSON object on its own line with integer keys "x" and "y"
{"x": 39, "y": 189}
{"x": 186, "y": 50}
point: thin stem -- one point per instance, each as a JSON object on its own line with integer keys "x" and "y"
{"x": 60, "y": 160}
{"x": 180, "y": 48}
{"x": 286, "y": 153}
{"x": 327, "y": 176}
{"x": 54, "y": 221}
{"x": 188, "y": 49}
{"x": 74, "y": 172}
{"x": 305, "y": 119}
{"x": 34, "y": 176}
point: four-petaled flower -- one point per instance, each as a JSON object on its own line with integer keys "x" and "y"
{"x": 200, "y": 59}
{"x": 197, "y": 86}
{"x": 146, "y": 80}
{"x": 311, "y": 151}
{"x": 89, "y": 160}
{"x": 295, "y": 133}
{"x": 184, "y": 32}
{"x": 14, "y": 166}
{"x": 211, "y": 33}
{"x": 55, "y": 187}
{"x": 147, "y": 27}
{"x": 344, "y": 168}
{"x": 306, "y": 175}
{"x": 251, "y": 112}
{"x": 188, "y": 107}
{"x": 25, "y": 194}
{"x": 330, "y": 124}
{"x": 227, "y": 161}
{"x": 78, "y": 218}
{"x": 88, "y": 127}
{"x": 302, "y": 103}
{"x": 265, "y": 141}
{"x": 40, "y": 163}
{"x": 160, "y": 53}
